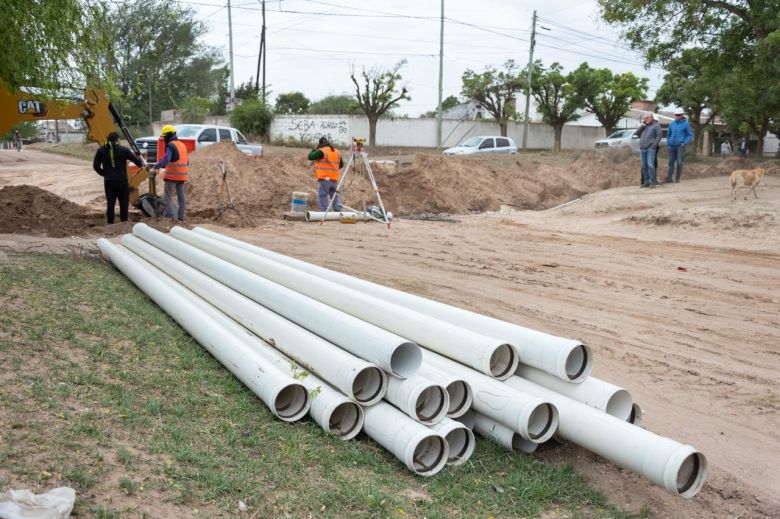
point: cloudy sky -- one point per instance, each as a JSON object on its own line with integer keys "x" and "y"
{"x": 312, "y": 44}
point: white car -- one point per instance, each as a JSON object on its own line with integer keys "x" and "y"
{"x": 204, "y": 135}
{"x": 619, "y": 139}
{"x": 483, "y": 144}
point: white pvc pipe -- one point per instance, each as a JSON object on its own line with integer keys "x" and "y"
{"x": 287, "y": 399}
{"x": 678, "y": 468}
{"x": 458, "y": 389}
{"x": 468, "y": 419}
{"x": 419, "y": 398}
{"x": 358, "y": 379}
{"x": 567, "y": 359}
{"x": 492, "y": 356}
{"x": 423, "y": 451}
{"x": 316, "y": 216}
{"x": 389, "y": 351}
{"x": 535, "y": 419}
{"x": 334, "y": 412}
{"x": 502, "y": 435}
{"x": 460, "y": 440}
{"x": 592, "y": 391}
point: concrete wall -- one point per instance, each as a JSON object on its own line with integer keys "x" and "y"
{"x": 421, "y": 132}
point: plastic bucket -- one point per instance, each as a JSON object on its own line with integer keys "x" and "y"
{"x": 299, "y": 202}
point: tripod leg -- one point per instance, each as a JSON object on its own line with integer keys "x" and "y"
{"x": 376, "y": 190}
{"x": 343, "y": 177}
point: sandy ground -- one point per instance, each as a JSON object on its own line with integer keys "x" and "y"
{"x": 676, "y": 290}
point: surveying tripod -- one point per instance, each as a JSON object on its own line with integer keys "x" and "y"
{"x": 358, "y": 153}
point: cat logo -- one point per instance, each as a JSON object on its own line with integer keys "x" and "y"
{"x": 31, "y": 107}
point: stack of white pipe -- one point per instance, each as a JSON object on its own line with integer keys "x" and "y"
{"x": 513, "y": 385}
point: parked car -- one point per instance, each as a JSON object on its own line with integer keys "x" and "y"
{"x": 204, "y": 135}
{"x": 483, "y": 144}
{"x": 625, "y": 139}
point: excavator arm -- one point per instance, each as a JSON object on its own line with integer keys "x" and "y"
{"x": 98, "y": 112}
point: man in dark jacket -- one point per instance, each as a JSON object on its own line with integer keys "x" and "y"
{"x": 649, "y": 139}
{"x": 111, "y": 163}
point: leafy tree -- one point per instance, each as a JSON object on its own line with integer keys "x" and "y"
{"x": 195, "y": 109}
{"x": 157, "y": 46}
{"x": 292, "y": 103}
{"x": 556, "y": 99}
{"x": 691, "y": 82}
{"x": 380, "y": 93}
{"x": 27, "y": 129}
{"x": 51, "y": 44}
{"x": 336, "y": 105}
{"x": 252, "y": 116}
{"x": 606, "y": 95}
{"x": 495, "y": 90}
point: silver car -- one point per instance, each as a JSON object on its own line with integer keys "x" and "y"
{"x": 483, "y": 144}
{"x": 204, "y": 135}
{"x": 619, "y": 139}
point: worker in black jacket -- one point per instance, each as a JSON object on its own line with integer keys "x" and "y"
{"x": 111, "y": 164}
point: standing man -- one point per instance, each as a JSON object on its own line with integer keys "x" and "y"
{"x": 111, "y": 163}
{"x": 677, "y": 137}
{"x": 17, "y": 140}
{"x": 743, "y": 148}
{"x": 327, "y": 163}
{"x": 649, "y": 139}
{"x": 725, "y": 149}
{"x": 177, "y": 167}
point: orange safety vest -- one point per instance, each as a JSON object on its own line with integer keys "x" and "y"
{"x": 327, "y": 168}
{"x": 178, "y": 171}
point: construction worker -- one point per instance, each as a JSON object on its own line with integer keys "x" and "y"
{"x": 17, "y": 140}
{"x": 327, "y": 163}
{"x": 111, "y": 163}
{"x": 177, "y": 166}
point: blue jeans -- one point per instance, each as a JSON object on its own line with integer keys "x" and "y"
{"x": 175, "y": 188}
{"x": 648, "y": 165}
{"x": 326, "y": 189}
{"x": 676, "y": 154}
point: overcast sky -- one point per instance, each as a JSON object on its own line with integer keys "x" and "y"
{"x": 312, "y": 44}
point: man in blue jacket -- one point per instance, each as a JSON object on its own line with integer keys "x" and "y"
{"x": 678, "y": 136}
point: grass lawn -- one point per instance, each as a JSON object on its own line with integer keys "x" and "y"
{"x": 103, "y": 392}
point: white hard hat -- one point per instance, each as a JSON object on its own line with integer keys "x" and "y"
{"x": 679, "y": 111}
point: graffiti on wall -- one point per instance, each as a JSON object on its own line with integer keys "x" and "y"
{"x": 310, "y": 130}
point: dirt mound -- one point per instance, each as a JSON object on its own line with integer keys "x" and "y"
{"x": 708, "y": 219}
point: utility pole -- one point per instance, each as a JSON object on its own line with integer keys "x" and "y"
{"x": 265, "y": 50}
{"x": 528, "y": 90}
{"x": 150, "y": 102}
{"x": 232, "y": 74}
{"x": 441, "y": 73}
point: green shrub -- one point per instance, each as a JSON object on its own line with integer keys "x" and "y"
{"x": 253, "y": 117}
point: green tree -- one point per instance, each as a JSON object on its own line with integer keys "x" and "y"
{"x": 606, "y": 95}
{"x": 195, "y": 109}
{"x": 495, "y": 90}
{"x": 54, "y": 44}
{"x": 158, "y": 47}
{"x": 556, "y": 99}
{"x": 27, "y": 129}
{"x": 691, "y": 82}
{"x": 292, "y": 103}
{"x": 336, "y": 105}
{"x": 252, "y": 117}
{"x": 381, "y": 92}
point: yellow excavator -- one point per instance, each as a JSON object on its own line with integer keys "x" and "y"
{"x": 100, "y": 115}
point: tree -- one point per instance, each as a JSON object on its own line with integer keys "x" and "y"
{"x": 495, "y": 90}
{"x": 292, "y": 103}
{"x": 195, "y": 109}
{"x": 379, "y": 94}
{"x": 54, "y": 44}
{"x": 606, "y": 95}
{"x": 555, "y": 96}
{"x": 691, "y": 82}
{"x": 253, "y": 117}
{"x": 335, "y": 104}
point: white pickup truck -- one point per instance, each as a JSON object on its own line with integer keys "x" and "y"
{"x": 204, "y": 135}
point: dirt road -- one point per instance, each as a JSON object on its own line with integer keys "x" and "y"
{"x": 676, "y": 289}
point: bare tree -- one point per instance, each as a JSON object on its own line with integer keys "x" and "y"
{"x": 379, "y": 94}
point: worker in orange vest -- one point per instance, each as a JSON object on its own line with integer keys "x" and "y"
{"x": 177, "y": 167}
{"x": 327, "y": 163}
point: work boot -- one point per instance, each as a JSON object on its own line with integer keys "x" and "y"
{"x": 644, "y": 185}
{"x": 677, "y": 179}
{"x": 668, "y": 180}
{"x": 652, "y": 185}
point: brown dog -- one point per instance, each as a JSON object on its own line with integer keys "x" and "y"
{"x": 746, "y": 178}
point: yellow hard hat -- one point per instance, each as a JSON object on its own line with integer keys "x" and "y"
{"x": 167, "y": 130}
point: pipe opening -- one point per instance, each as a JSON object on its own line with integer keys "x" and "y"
{"x": 430, "y": 405}
{"x": 346, "y": 420}
{"x": 578, "y": 363}
{"x": 620, "y": 405}
{"x": 369, "y": 386}
{"x": 690, "y": 476}
{"x": 503, "y": 362}
{"x": 542, "y": 423}
{"x": 292, "y": 402}
{"x": 461, "y": 443}
{"x": 406, "y": 360}
{"x": 429, "y": 455}
{"x": 635, "y": 417}
{"x": 460, "y": 398}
